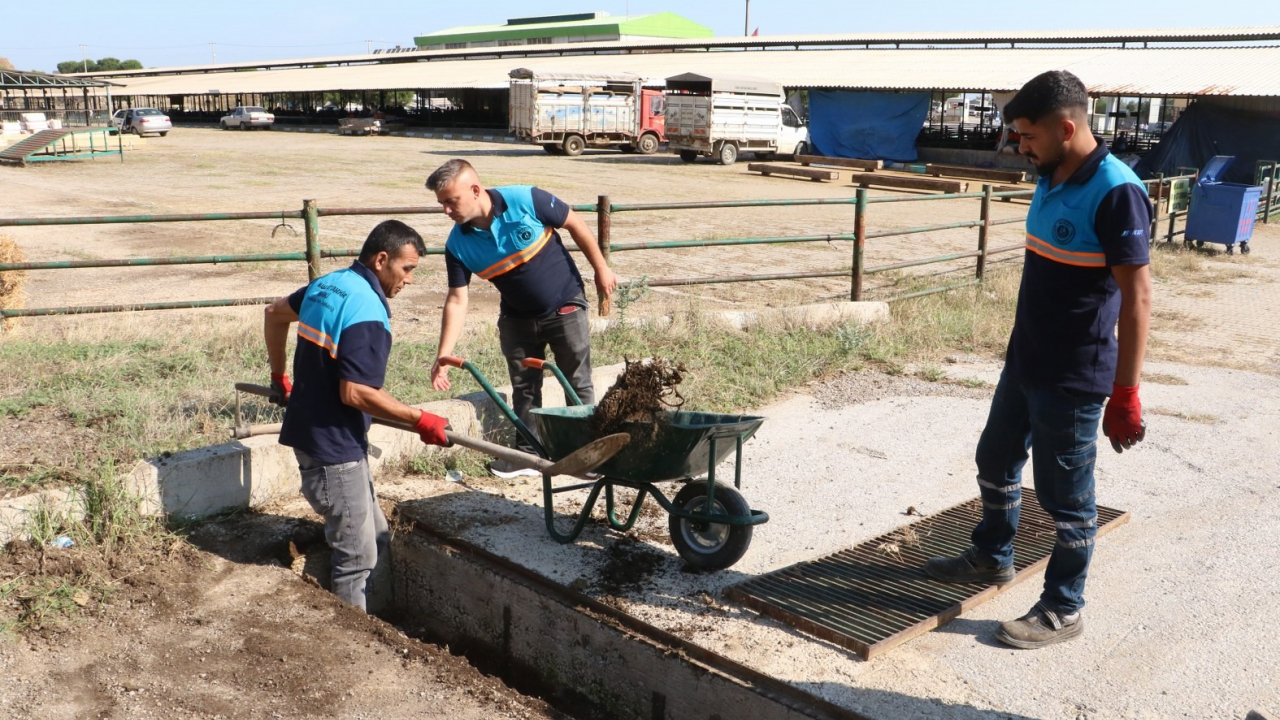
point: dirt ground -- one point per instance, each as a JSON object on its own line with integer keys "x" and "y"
{"x": 225, "y": 630}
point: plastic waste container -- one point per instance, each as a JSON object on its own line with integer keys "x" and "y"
{"x": 1222, "y": 212}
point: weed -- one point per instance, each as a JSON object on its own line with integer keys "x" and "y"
{"x": 932, "y": 372}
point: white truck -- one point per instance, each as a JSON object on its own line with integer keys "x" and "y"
{"x": 723, "y": 116}
{"x": 567, "y": 112}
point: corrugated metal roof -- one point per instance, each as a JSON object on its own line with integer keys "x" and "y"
{"x": 1157, "y": 71}
{"x": 1112, "y": 35}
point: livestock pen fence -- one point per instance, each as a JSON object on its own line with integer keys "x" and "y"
{"x": 1164, "y": 226}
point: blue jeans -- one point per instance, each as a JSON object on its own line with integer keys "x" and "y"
{"x": 1060, "y": 427}
{"x": 354, "y": 526}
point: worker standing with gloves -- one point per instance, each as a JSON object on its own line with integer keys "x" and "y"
{"x": 339, "y": 366}
{"x": 1085, "y": 274}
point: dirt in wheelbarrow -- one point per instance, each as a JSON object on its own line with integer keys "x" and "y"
{"x": 642, "y": 392}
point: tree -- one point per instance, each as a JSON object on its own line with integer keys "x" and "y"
{"x": 101, "y": 65}
{"x": 6, "y": 65}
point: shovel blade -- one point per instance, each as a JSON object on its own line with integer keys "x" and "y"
{"x": 590, "y": 456}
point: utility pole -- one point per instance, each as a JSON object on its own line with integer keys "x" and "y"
{"x": 213, "y": 51}
{"x": 84, "y": 56}
{"x": 746, "y": 21}
{"x": 368, "y": 47}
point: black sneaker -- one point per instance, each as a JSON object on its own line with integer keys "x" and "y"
{"x": 970, "y": 567}
{"x": 1040, "y": 627}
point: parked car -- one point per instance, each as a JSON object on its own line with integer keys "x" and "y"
{"x": 140, "y": 121}
{"x": 247, "y": 118}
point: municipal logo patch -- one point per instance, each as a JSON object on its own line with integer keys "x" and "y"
{"x": 1063, "y": 231}
{"x": 525, "y": 234}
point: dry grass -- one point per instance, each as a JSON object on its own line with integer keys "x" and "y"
{"x": 1163, "y": 379}
{"x": 12, "y": 282}
{"x": 1201, "y": 418}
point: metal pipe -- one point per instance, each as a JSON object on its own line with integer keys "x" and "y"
{"x": 311, "y": 219}
{"x": 126, "y": 262}
{"x": 983, "y": 229}
{"x": 355, "y": 252}
{"x": 934, "y": 291}
{"x": 113, "y": 219}
{"x": 859, "y": 244}
{"x": 747, "y": 278}
{"x": 604, "y": 224}
{"x": 1271, "y": 187}
{"x": 185, "y": 305}
{"x": 918, "y": 263}
{"x": 925, "y": 229}
{"x": 407, "y": 210}
{"x": 1155, "y": 216}
{"x": 670, "y": 244}
{"x": 713, "y": 205}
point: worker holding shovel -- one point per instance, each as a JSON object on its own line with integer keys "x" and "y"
{"x": 344, "y": 339}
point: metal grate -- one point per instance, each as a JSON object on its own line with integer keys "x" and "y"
{"x": 875, "y": 596}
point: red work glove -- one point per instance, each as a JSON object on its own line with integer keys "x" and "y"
{"x": 283, "y": 389}
{"x": 1122, "y": 420}
{"x": 431, "y": 429}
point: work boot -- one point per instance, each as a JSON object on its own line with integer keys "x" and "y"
{"x": 1040, "y": 627}
{"x": 970, "y": 567}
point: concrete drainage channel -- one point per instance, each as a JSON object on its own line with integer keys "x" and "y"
{"x": 580, "y": 653}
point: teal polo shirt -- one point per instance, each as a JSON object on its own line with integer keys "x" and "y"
{"x": 1069, "y": 303}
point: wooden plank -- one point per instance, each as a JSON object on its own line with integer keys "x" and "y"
{"x": 974, "y": 173}
{"x": 810, "y": 173}
{"x": 909, "y": 183}
{"x": 869, "y": 165}
{"x": 1012, "y": 188}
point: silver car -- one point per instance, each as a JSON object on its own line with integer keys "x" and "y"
{"x": 247, "y": 118}
{"x": 140, "y": 121}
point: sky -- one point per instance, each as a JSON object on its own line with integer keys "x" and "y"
{"x": 37, "y": 36}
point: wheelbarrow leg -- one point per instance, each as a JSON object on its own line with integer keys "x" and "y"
{"x": 549, "y": 510}
{"x": 635, "y": 508}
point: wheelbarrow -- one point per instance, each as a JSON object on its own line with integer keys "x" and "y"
{"x": 709, "y": 521}
{"x": 583, "y": 460}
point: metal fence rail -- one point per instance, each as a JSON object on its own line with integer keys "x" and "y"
{"x": 604, "y": 209}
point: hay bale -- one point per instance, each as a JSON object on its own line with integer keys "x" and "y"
{"x": 11, "y": 281}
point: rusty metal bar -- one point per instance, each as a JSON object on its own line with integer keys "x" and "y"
{"x": 933, "y": 291}
{"x": 717, "y": 204}
{"x": 183, "y": 305}
{"x": 127, "y": 262}
{"x": 859, "y": 244}
{"x": 983, "y": 230}
{"x": 918, "y": 263}
{"x": 604, "y": 224}
{"x": 1155, "y": 216}
{"x": 311, "y": 219}
{"x": 407, "y": 210}
{"x": 925, "y": 229}
{"x": 747, "y": 278}
{"x": 1006, "y": 221}
{"x": 1271, "y": 188}
{"x": 670, "y": 244}
{"x": 355, "y": 252}
{"x": 114, "y": 219}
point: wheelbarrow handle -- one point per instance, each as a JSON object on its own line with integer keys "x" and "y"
{"x": 450, "y": 360}
{"x": 533, "y": 363}
{"x": 582, "y": 460}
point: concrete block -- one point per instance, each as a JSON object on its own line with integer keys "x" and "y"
{"x": 16, "y": 513}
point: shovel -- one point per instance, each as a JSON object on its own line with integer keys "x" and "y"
{"x": 579, "y": 462}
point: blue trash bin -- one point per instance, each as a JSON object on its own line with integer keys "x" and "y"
{"x": 1222, "y": 212}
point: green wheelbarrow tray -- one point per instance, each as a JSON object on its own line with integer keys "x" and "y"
{"x": 677, "y": 447}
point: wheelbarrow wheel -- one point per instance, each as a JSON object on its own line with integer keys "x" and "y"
{"x": 710, "y": 546}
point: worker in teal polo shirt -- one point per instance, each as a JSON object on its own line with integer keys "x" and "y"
{"x": 508, "y": 236}
{"x": 339, "y": 366}
{"x": 1085, "y": 276}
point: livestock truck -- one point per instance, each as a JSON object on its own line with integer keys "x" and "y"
{"x": 723, "y": 116}
{"x": 568, "y": 112}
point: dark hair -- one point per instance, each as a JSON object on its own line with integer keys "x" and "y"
{"x": 1048, "y": 93}
{"x": 389, "y": 236}
{"x": 446, "y": 173}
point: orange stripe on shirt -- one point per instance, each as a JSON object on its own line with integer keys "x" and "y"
{"x": 1059, "y": 250}
{"x": 312, "y": 335}
{"x": 511, "y": 262}
{"x": 1049, "y": 255}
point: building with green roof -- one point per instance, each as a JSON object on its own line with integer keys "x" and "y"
{"x": 557, "y": 29}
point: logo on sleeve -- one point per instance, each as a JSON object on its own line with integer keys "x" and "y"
{"x": 1063, "y": 231}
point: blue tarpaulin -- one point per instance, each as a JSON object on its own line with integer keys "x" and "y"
{"x": 1204, "y": 131}
{"x": 866, "y": 125}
